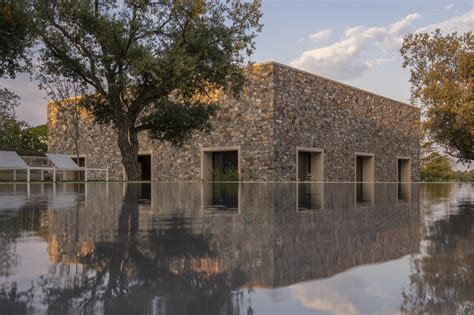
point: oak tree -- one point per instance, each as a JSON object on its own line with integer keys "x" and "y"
{"x": 16, "y": 37}
{"x": 442, "y": 78}
{"x": 146, "y": 61}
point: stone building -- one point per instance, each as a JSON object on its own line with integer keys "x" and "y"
{"x": 286, "y": 125}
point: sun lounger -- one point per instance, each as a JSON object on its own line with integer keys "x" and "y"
{"x": 11, "y": 161}
{"x": 64, "y": 163}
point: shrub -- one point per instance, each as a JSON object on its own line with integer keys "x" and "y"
{"x": 229, "y": 174}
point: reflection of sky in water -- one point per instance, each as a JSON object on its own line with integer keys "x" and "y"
{"x": 33, "y": 261}
{"x": 367, "y": 289}
{"x": 339, "y": 260}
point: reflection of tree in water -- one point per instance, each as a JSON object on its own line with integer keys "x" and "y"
{"x": 12, "y": 224}
{"x": 437, "y": 191}
{"x": 442, "y": 278}
{"x": 158, "y": 271}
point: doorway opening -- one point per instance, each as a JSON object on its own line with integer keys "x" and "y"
{"x": 310, "y": 165}
{"x": 78, "y": 176}
{"x": 144, "y": 165}
{"x": 364, "y": 178}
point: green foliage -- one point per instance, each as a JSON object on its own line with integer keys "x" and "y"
{"x": 172, "y": 122}
{"x": 40, "y": 133}
{"x": 442, "y": 77}
{"x": 17, "y": 136}
{"x": 16, "y": 36}
{"x": 8, "y": 102}
{"x": 229, "y": 174}
{"x": 436, "y": 168}
{"x": 151, "y": 64}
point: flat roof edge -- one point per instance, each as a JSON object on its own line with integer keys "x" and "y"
{"x": 333, "y": 81}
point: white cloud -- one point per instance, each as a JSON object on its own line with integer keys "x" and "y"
{"x": 379, "y": 61}
{"x": 449, "y": 6}
{"x": 461, "y": 24}
{"x": 320, "y": 36}
{"x": 348, "y": 58}
{"x": 346, "y": 293}
{"x": 344, "y": 60}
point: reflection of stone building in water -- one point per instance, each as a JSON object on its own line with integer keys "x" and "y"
{"x": 266, "y": 236}
{"x": 79, "y": 218}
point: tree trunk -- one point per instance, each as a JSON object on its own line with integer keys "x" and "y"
{"x": 128, "y": 144}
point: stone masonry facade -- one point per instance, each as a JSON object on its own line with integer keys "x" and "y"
{"x": 279, "y": 110}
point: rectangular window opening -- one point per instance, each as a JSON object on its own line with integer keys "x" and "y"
{"x": 310, "y": 165}
{"x": 364, "y": 178}
{"x": 404, "y": 178}
{"x": 220, "y": 165}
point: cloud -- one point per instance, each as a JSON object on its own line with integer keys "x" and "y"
{"x": 347, "y": 293}
{"x": 348, "y": 58}
{"x": 320, "y": 36}
{"x": 461, "y": 24}
{"x": 344, "y": 60}
{"x": 449, "y": 6}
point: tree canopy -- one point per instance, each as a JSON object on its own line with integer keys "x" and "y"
{"x": 8, "y": 102}
{"x": 16, "y": 36}
{"x": 442, "y": 77}
{"x": 148, "y": 64}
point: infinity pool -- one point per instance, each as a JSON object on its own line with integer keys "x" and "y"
{"x": 193, "y": 248}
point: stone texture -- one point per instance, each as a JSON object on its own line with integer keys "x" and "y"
{"x": 311, "y": 111}
{"x": 281, "y": 108}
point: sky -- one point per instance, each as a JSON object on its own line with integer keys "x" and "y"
{"x": 352, "y": 41}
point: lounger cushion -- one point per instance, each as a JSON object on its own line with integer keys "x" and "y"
{"x": 62, "y": 161}
{"x": 11, "y": 160}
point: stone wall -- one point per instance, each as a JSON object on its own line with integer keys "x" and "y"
{"x": 244, "y": 122}
{"x": 279, "y": 109}
{"x": 97, "y": 143}
{"x": 311, "y": 111}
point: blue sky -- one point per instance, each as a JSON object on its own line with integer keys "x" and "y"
{"x": 355, "y": 42}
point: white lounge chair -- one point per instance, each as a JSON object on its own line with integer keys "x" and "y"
{"x": 11, "y": 161}
{"x": 64, "y": 163}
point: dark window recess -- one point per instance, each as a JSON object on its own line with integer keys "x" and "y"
{"x": 225, "y": 160}
{"x": 79, "y": 176}
{"x": 304, "y": 166}
{"x": 400, "y": 193}
{"x": 359, "y": 179}
{"x": 144, "y": 164}
{"x": 400, "y": 170}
